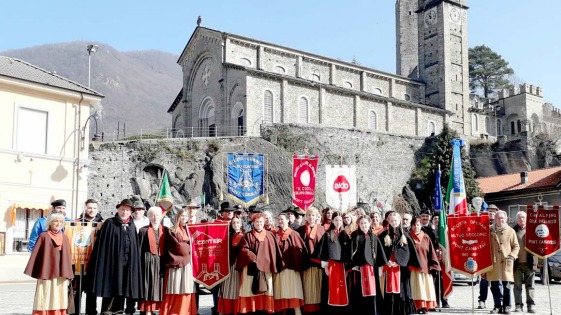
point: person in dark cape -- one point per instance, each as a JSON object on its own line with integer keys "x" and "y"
{"x": 114, "y": 267}
{"x": 152, "y": 242}
{"x": 366, "y": 255}
{"x": 313, "y": 277}
{"x": 333, "y": 250}
{"x": 259, "y": 258}
{"x": 50, "y": 263}
{"x": 401, "y": 254}
{"x": 288, "y": 290}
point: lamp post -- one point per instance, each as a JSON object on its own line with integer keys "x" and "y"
{"x": 477, "y": 202}
{"x": 91, "y": 49}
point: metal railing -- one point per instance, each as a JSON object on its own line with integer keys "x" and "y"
{"x": 170, "y": 133}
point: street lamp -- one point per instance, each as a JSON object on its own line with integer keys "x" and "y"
{"x": 91, "y": 49}
{"x": 96, "y": 137}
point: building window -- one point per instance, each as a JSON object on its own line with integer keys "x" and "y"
{"x": 519, "y": 125}
{"x": 303, "y": 111}
{"x": 377, "y": 91}
{"x": 316, "y": 76}
{"x": 499, "y": 127}
{"x": 512, "y": 129}
{"x": 372, "y": 120}
{"x": 487, "y": 124}
{"x": 474, "y": 122}
{"x": 432, "y": 128}
{"x": 279, "y": 69}
{"x": 348, "y": 85}
{"x": 245, "y": 62}
{"x": 407, "y": 97}
{"x": 207, "y": 120}
{"x": 268, "y": 107}
{"x": 32, "y": 130}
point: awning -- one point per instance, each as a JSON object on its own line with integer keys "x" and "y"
{"x": 26, "y": 205}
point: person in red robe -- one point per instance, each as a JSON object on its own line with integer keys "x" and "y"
{"x": 259, "y": 258}
{"x": 422, "y": 283}
{"x": 312, "y": 277}
{"x": 152, "y": 243}
{"x": 402, "y": 256}
{"x": 229, "y": 290}
{"x": 333, "y": 250}
{"x": 179, "y": 285}
{"x": 50, "y": 263}
{"x": 288, "y": 290}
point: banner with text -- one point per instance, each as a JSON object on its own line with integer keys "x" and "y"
{"x": 340, "y": 186}
{"x": 542, "y": 231}
{"x": 304, "y": 180}
{"x": 82, "y": 238}
{"x": 245, "y": 178}
{"x": 469, "y": 243}
{"x": 210, "y": 257}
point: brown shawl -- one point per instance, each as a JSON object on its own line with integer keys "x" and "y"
{"x": 50, "y": 259}
{"x": 177, "y": 246}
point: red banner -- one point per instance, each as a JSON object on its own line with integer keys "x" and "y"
{"x": 210, "y": 257}
{"x": 542, "y": 231}
{"x": 304, "y": 181}
{"x": 470, "y": 246}
{"x": 82, "y": 238}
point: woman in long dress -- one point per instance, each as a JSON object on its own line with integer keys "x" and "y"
{"x": 152, "y": 242}
{"x": 312, "y": 277}
{"x": 179, "y": 286}
{"x": 422, "y": 283}
{"x": 333, "y": 250}
{"x": 229, "y": 291}
{"x": 401, "y": 254}
{"x": 288, "y": 290}
{"x": 366, "y": 254}
{"x": 50, "y": 263}
{"x": 259, "y": 258}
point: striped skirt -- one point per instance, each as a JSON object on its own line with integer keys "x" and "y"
{"x": 179, "y": 297}
{"x": 288, "y": 291}
{"x": 229, "y": 292}
{"x": 51, "y": 297}
{"x": 249, "y": 302}
{"x": 311, "y": 280}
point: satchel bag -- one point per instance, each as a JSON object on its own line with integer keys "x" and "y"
{"x": 259, "y": 284}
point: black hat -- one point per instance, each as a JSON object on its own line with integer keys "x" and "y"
{"x": 138, "y": 204}
{"x": 58, "y": 203}
{"x": 126, "y": 202}
{"x": 238, "y": 209}
{"x": 254, "y": 209}
{"x": 289, "y": 209}
{"x": 299, "y": 211}
{"x": 225, "y": 206}
{"x": 425, "y": 211}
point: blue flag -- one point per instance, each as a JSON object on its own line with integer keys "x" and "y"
{"x": 437, "y": 196}
{"x": 245, "y": 178}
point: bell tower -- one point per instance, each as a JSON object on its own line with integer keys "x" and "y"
{"x": 442, "y": 54}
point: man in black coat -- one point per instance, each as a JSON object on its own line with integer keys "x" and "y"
{"x": 114, "y": 268}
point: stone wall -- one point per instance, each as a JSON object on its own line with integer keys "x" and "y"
{"x": 117, "y": 170}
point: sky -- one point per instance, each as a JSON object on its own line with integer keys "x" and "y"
{"x": 525, "y": 33}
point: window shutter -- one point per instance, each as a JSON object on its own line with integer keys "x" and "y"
{"x": 303, "y": 110}
{"x": 372, "y": 120}
{"x": 268, "y": 107}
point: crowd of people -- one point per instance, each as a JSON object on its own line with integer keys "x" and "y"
{"x": 311, "y": 262}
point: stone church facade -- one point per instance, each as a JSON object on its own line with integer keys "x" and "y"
{"x": 234, "y": 84}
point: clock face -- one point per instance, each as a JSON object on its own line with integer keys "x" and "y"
{"x": 430, "y": 17}
{"x": 455, "y": 15}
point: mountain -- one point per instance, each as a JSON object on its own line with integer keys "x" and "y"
{"x": 139, "y": 86}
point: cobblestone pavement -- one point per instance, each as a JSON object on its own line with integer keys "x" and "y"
{"x": 17, "y": 299}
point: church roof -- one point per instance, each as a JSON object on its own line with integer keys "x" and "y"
{"x": 538, "y": 179}
{"x": 19, "y": 69}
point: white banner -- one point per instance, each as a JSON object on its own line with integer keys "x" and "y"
{"x": 340, "y": 186}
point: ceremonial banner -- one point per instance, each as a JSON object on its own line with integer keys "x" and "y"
{"x": 444, "y": 254}
{"x": 82, "y": 238}
{"x": 456, "y": 191}
{"x": 304, "y": 181}
{"x": 542, "y": 231}
{"x": 164, "y": 198}
{"x": 245, "y": 178}
{"x": 340, "y": 186}
{"x": 210, "y": 257}
{"x": 469, "y": 243}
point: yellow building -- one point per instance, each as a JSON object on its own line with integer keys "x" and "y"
{"x": 43, "y": 147}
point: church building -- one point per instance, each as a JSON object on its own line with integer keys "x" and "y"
{"x": 234, "y": 84}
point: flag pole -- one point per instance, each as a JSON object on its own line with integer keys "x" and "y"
{"x": 159, "y": 186}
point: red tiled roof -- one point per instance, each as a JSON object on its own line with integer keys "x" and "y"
{"x": 509, "y": 182}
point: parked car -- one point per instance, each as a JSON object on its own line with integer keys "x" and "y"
{"x": 461, "y": 278}
{"x": 554, "y": 270}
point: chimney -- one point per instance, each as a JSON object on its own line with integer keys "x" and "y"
{"x": 523, "y": 177}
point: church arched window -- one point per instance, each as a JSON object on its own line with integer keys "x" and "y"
{"x": 372, "y": 120}
{"x": 303, "y": 111}
{"x": 432, "y": 128}
{"x": 280, "y": 69}
{"x": 512, "y": 129}
{"x": 474, "y": 122}
{"x": 207, "y": 121}
{"x": 499, "y": 127}
{"x": 519, "y": 125}
{"x": 487, "y": 124}
{"x": 377, "y": 91}
{"x": 348, "y": 85}
{"x": 268, "y": 107}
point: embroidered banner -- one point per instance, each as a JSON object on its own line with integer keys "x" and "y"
{"x": 210, "y": 257}
{"x": 469, "y": 244}
{"x": 542, "y": 231}
{"x": 304, "y": 180}
{"x": 82, "y": 238}
{"x": 245, "y": 178}
{"x": 340, "y": 186}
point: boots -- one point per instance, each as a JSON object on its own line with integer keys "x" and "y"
{"x": 531, "y": 308}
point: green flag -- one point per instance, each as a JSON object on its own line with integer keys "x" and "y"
{"x": 165, "y": 200}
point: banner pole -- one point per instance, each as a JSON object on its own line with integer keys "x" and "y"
{"x": 439, "y": 298}
{"x": 546, "y": 278}
{"x": 472, "y": 296}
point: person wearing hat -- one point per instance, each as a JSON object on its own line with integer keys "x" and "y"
{"x": 57, "y": 206}
{"x": 114, "y": 268}
{"x": 192, "y": 208}
{"x": 238, "y": 212}
{"x": 226, "y": 212}
{"x": 484, "y": 283}
{"x": 252, "y": 211}
{"x": 140, "y": 220}
{"x": 299, "y": 215}
{"x": 291, "y": 215}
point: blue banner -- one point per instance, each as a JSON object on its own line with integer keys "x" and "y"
{"x": 437, "y": 196}
{"x": 458, "y": 174}
{"x": 245, "y": 177}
